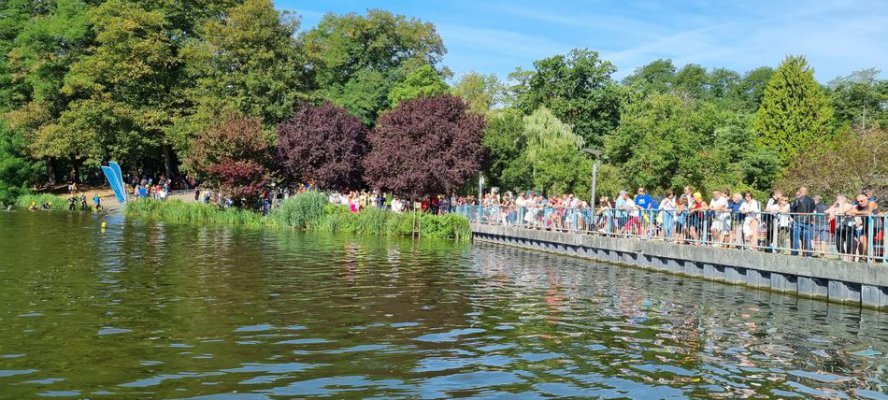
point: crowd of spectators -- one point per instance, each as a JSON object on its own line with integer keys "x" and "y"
{"x": 801, "y": 225}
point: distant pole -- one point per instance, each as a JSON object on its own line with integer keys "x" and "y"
{"x": 594, "y": 182}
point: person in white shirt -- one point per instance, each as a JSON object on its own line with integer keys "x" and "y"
{"x": 722, "y": 221}
{"x": 667, "y": 211}
{"x": 750, "y": 209}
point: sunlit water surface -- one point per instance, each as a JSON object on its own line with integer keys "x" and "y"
{"x": 146, "y": 310}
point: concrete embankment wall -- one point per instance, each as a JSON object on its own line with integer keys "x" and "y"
{"x": 831, "y": 280}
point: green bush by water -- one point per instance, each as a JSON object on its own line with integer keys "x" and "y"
{"x": 55, "y": 202}
{"x": 300, "y": 210}
{"x": 308, "y": 211}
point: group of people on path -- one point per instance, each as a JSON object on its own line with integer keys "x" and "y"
{"x": 358, "y": 201}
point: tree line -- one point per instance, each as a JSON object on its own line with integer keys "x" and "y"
{"x": 235, "y": 92}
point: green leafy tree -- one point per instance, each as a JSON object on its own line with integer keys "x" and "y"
{"x": 245, "y": 61}
{"x": 669, "y": 141}
{"x": 722, "y": 83}
{"x": 357, "y": 60}
{"x": 15, "y": 16}
{"x": 53, "y": 35}
{"x": 553, "y": 156}
{"x": 16, "y": 171}
{"x": 750, "y": 90}
{"x": 480, "y": 92}
{"x": 365, "y": 95}
{"x": 341, "y": 45}
{"x": 121, "y": 90}
{"x": 504, "y": 141}
{"x": 657, "y": 76}
{"x": 420, "y": 82}
{"x": 860, "y": 99}
{"x": 578, "y": 89}
{"x": 795, "y": 113}
{"x": 693, "y": 80}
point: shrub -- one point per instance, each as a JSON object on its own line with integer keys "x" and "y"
{"x": 299, "y": 211}
{"x": 55, "y": 202}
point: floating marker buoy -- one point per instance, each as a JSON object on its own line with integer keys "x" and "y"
{"x": 104, "y": 224}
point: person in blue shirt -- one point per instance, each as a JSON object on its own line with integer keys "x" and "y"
{"x": 645, "y": 203}
{"x": 643, "y": 200}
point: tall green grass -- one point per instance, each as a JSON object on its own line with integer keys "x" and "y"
{"x": 55, "y": 202}
{"x": 308, "y": 211}
{"x": 300, "y": 210}
{"x": 192, "y": 213}
{"x": 376, "y": 221}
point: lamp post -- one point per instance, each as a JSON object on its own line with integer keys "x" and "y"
{"x": 480, "y": 187}
{"x": 596, "y": 155}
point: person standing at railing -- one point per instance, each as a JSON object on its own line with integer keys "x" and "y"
{"x": 783, "y": 222}
{"x": 530, "y": 215}
{"x": 862, "y": 213}
{"x": 844, "y": 233}
{"x": 688, "y": 195}
{"x": 644, "y": 203}
{"x": 769, "y": 218}
{"x": 802, "y": 209}
{"x": 621, "y": 212}
{"x": 735, "y": 236}
{"x": 604, "y": 216}
{"x": 667, "y": 210}
{"x": 721, "y": 219}
{"x": 696, "y": 217}
{"x": 821, "y": 226}
{"x": 750, "y": 210}
{"x": 681, "y": 219}
{"x": 873, "y": 201}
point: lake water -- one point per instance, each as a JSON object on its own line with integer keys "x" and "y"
{"x": 146, "y": 310}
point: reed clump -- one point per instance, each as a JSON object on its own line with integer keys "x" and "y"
{"x": 311, "y": 212}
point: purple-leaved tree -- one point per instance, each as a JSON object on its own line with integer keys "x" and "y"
{"x": 324, "y": 144}
{"x": 425, "y": 146}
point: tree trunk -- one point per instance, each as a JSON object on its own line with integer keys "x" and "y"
{"x": 50, "y": 171}
{"x": 167, "y": 161}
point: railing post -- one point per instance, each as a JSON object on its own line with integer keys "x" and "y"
{"x": 884, "y": 240}
{"x": 705, "y": 236}
{"x": 869, "y": 238}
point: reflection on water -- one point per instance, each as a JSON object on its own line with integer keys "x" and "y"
{"x": 160, "y": 311}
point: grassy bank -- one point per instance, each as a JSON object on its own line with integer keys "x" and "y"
{"x": 310, "y": 212}
{"x": 55, "y": 202}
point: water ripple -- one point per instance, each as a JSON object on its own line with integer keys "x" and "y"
{"x": 216, "y": 313}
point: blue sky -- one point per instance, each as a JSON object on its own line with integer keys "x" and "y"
{"x": 496, "y": 36}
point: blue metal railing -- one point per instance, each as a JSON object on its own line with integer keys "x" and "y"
{"x": 844, "y": 237}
